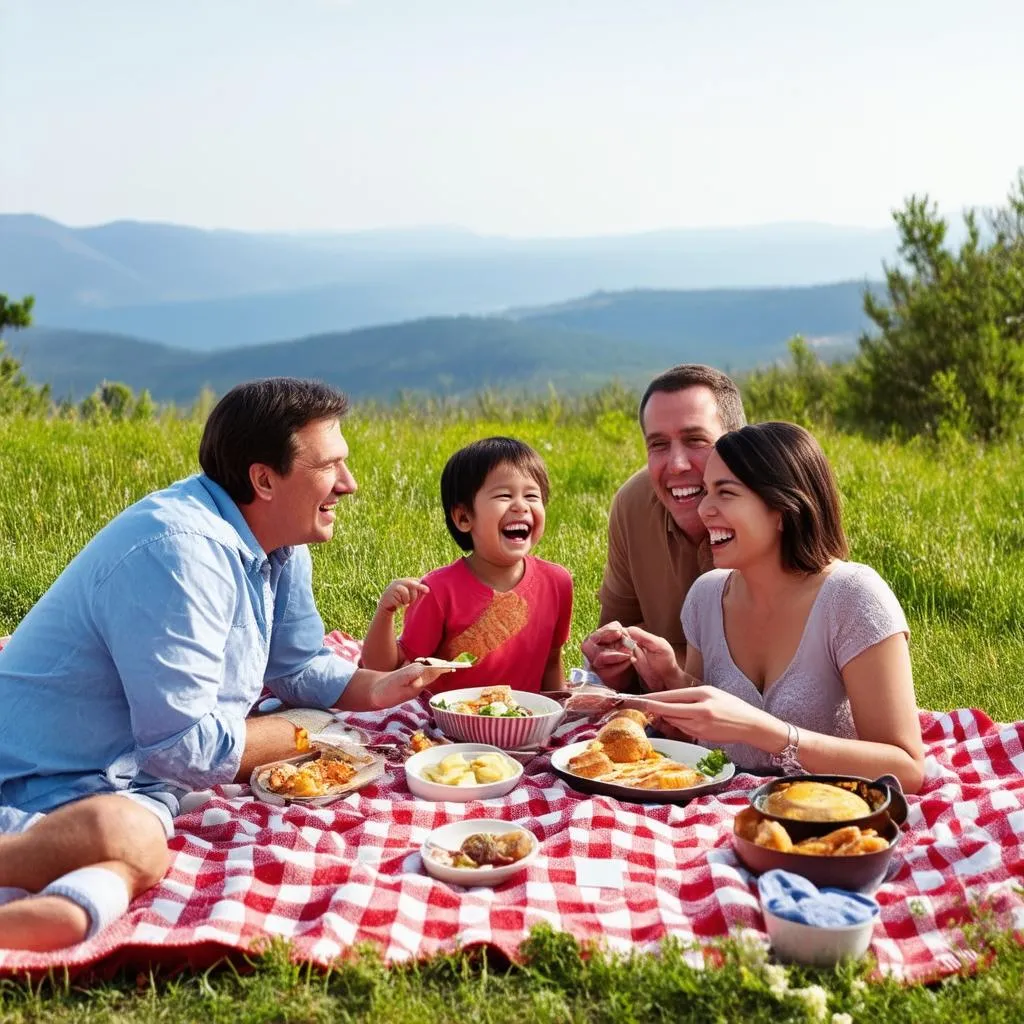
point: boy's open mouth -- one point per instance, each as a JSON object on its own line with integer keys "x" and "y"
{"x": 517, "y": 531}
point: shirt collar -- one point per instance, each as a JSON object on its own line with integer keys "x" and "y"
{"x": 252, "y": 553}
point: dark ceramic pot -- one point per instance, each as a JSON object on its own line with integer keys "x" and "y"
{"x": 860, "y": 873}
{"x": 883, "y": 795}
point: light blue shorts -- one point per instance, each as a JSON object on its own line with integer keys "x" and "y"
{"x": 13, "y": 819}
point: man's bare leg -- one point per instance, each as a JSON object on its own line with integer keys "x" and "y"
{"x": 102, "y": 831}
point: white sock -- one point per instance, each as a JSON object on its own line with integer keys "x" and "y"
{"x": 10, "y": 893}
{"x": 101, "y": 893}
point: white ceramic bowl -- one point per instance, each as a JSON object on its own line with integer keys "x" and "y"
{"x": 424, "y": 788}
{"x": 451, "y": 837}
{"x": 506, "y": 733}
{"x": 819, "y": 947}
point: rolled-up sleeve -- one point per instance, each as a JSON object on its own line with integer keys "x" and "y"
{"x": 169, "y": 655}
{"x": 301, "y": 671}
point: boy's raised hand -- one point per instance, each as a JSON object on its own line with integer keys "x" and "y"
{"x": 400, "y": 594}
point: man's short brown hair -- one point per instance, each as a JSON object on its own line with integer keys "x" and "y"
{"x": 256, "y": 422}
{"x": 696, "y": 375}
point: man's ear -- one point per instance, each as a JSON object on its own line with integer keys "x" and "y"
{"x": 461, "y": 518}
{"x": 262, "y": 479}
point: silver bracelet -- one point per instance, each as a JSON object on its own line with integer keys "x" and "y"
{"x": 788, "y": 757}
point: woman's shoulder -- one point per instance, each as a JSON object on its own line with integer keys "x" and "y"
{"x": 855, "y": 582}
{"x": 705, "y": 592}
{"x": 863, "y": 606}
{"x": 707, "y": 584}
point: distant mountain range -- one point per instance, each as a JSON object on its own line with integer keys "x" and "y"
{"x": 573, "y": 345}
{"x": 213, "y": 290}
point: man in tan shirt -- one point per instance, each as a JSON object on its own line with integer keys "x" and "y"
{"x": 657, "y": 544}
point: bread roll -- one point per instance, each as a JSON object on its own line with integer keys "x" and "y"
{"x": 625, "y": 741}
{"x": 590, "y": 764}
{"x": 633, "y": 715}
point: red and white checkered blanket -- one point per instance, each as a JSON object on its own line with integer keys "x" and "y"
{"x": 330, "y": 877}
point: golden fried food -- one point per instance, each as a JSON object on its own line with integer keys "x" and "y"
{"x": 771, "y": 835}
{"x": 815, "y": 801}
{"x": 850, "y": 841}
{"x": 419, "y": 741}
{"x": 591, "y": 763}
{"x": 625, "y": 741}
{"x": 314, "y": 778}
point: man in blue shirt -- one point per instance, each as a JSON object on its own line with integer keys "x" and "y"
{"x": 130, "y": 680}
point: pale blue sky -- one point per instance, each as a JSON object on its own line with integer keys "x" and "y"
{"x": 521, "y": 117}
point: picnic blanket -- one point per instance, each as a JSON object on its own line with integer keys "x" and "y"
{"x": 626, "y": 875}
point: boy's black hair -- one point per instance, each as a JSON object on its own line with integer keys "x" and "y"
{"x": 465, "y": 472}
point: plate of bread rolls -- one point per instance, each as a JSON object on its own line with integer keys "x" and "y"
{"x": 624, "y": 762}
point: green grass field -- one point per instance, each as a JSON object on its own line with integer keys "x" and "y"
{"x": 944, "y": 526}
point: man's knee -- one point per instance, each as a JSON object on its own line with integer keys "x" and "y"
{"x": 129, "y": 833}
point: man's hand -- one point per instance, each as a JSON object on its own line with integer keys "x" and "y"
{"x": 610, "y": 650}
{"x": 655, "y": 661}
{"x": 368, "y": 690}
{"x": 400, "y": 594}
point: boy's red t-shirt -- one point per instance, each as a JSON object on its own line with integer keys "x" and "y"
{"x": 512, "y": 633}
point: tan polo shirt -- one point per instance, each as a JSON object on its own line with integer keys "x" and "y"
{"x": 651, "y": 564}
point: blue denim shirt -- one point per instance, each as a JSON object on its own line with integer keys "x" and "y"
{"x": 137, "y": 668}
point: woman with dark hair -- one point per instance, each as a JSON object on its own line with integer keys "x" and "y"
{"x": 797, "y": 660}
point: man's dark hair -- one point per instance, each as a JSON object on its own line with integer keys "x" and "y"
{"x": 785, "y": 466}
{"x": 465, "y": 472}
{"x": 256, "y": 422}
{"x": 692, "y": 375}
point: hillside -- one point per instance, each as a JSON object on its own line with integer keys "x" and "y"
{"x": 572, "y": 345}
{"x": 439, "y": 356}
{"x": 578, "y": 344}
{"x": 208, "y": 290}
{"x": 745, "y": 326}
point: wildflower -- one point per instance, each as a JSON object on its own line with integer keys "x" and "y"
{"x": 814, "y": 998}
{"x": 841, "y": 1018}
{"x": 777, "y": 978}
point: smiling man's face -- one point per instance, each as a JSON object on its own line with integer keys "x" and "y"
{"x": 680, "y": 430}
{"x": 307, "y": 494}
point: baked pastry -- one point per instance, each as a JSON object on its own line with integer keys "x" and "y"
{"x": 671, "y": 776}
{"x": 592, "y": 763}
{"x": 633, "y": 714}
{"x": 624, "y": 741}
{"x": 815, "y": 801}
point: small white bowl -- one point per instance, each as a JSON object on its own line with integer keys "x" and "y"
{"x": 424, "y": 788}
{"x": 818, "y": 947}
{"x": 451, "y": 837}
{"x": 507, "y": 733}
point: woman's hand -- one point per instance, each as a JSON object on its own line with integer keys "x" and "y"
{"x": 655, "y": 660}
{"x": 714, "y": 716}
{"x": 400, "y": 594}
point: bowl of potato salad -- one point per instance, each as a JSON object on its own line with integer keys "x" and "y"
{"x": 462, "y": 772}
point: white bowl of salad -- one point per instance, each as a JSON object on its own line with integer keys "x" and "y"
{"x": 498, "y": 715}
